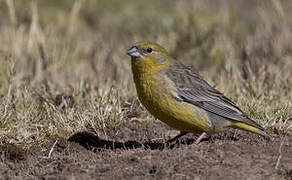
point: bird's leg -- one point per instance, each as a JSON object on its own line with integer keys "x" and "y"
{"x": 201, "y": 137}
{"x": 176, "y": 137}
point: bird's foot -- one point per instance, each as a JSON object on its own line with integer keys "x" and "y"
{"x": 202, "y": 136}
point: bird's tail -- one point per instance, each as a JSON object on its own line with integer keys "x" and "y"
{"x": 246, "y": 127}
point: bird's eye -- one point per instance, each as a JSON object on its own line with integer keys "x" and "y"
{"x": 149, "y": 50}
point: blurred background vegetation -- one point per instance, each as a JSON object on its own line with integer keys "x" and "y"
{"x": 64, "y": 68}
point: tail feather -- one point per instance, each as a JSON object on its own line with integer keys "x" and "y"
{"x": 246, "y": 127}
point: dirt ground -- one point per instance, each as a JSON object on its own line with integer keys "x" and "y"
{"x": 137, "y": 151}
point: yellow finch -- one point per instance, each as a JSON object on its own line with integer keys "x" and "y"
{"x": 179, "y": 97}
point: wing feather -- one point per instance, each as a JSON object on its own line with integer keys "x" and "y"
{"x": 191, "y": 88}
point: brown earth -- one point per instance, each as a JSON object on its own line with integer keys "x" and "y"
{"x": 137, "y": 151}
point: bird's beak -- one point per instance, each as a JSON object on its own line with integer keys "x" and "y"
{"x": 134, "y": 52}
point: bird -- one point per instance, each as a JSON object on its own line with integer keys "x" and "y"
{"x": 178, "y": 96}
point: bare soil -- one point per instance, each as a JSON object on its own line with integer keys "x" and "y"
{"x": 138, "y": 151}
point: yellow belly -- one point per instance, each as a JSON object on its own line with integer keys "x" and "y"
{"x": 183, "y": 116}
{"x": 158, "y": 97}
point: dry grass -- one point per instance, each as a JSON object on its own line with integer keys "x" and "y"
{"x": 64, "y": 69}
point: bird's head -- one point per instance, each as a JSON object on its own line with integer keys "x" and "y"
{"x": 148, "y": 56}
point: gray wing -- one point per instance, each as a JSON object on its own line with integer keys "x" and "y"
{"x": 191, "y": 88}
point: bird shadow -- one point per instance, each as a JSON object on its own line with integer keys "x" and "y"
{"x": 94, "y": 143}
